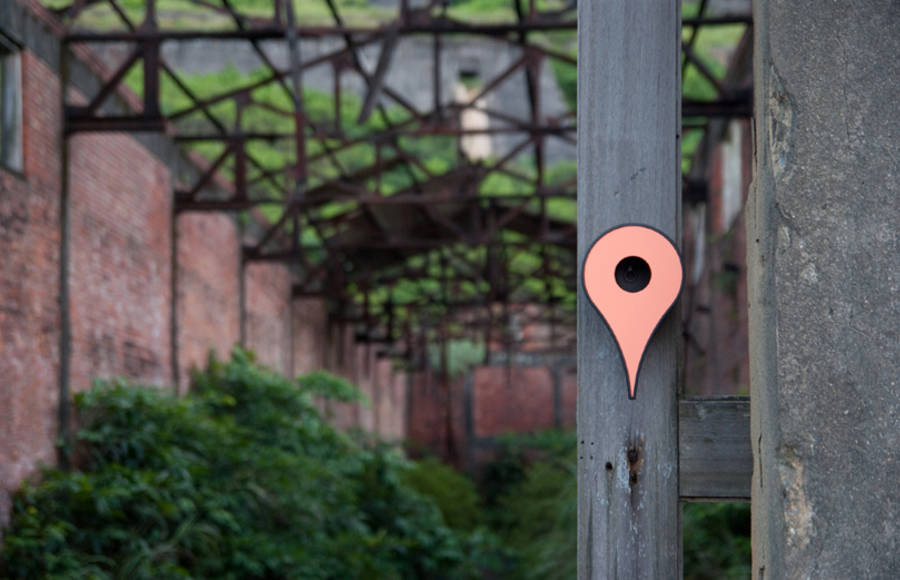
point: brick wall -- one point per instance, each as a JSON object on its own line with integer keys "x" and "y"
{"x": 120, "y": 266}
{"x": 311, "y": 334}
{"x": 208, "y": 289}
{"x": 569, "y": 398}
{"x": 428, "y": 428}
{"x": 319, "y": 343}
{"x": 120, "y": 277}
{"x": 390, "y": 400}
{"x": 342, "y": 363}
{"x": 512, "y": 399}
{"x": 268, "y": 314}
{"x": 29, "y": 276}
{"x": 363, "y": 367}
{"x": 537, "y": 393}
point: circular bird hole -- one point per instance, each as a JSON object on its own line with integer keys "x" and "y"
{"x": 633, "y": 274}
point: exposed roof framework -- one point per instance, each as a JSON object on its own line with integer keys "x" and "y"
{"x": 375, "y": 201}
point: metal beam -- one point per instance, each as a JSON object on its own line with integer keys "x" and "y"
{"x": 434, "y": 26}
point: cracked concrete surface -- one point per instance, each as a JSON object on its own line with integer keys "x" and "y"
{"x": 824, "y": 261}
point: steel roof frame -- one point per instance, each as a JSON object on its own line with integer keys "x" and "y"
{"x": 447, "y": 217}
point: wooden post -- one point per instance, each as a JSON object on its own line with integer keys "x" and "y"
{"x": 628, "y": 172}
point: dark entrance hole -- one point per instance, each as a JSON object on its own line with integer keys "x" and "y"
{"x": 632, "y": 274}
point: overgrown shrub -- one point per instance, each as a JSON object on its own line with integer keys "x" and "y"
{"x": 244, "y": 479}
{"x": 241, "y": 479}
{"x": 454, "y": 494}
{"x": 541, "y": 522}
{"x": 533, "y": 487}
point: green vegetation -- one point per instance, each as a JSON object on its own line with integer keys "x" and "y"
{"x": 241, "y": 479}
{"x": 567, "y": 81}
{"x": 496, "y": 10}
{"x": 462, "y": 356}
{"x": 533, "y": 483}
{"x": 716, "y": 541}
{"x": 454, "y": 494}
{"x": 187, "y": 14}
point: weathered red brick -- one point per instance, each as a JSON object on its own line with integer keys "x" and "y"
{"x": 310, "y": 319}
{"x": 268, "y": 313}
{"x": 29, "y": 282}
{"x": 516, "y": 400}
{"x": 208, "y": 289}
{"x": 120, "y": 266}
{"x": 569, "y": 387}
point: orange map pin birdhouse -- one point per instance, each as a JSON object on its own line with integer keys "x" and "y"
{"x": 632, "y": 274}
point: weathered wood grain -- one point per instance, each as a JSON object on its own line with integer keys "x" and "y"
{"x": 714, "y": 455}
{"x": 628, "y": 172}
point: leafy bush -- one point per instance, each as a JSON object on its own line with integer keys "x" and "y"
{"x": 244, "y": 479}
{"x": 240, "y": 479}
{"x": 531, "y": 492}
{"x": 454, "y": 493}
{"x": 541, "y": 522}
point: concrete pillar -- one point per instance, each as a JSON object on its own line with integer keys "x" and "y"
{"x": 824, "y": 269}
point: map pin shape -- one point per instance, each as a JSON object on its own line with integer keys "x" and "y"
{"x": 632, "y": 274}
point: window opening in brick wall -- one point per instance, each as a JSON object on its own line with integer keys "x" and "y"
{"x": 10, "y": 105}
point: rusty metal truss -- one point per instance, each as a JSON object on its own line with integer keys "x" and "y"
{"x": 405, "y": 248}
